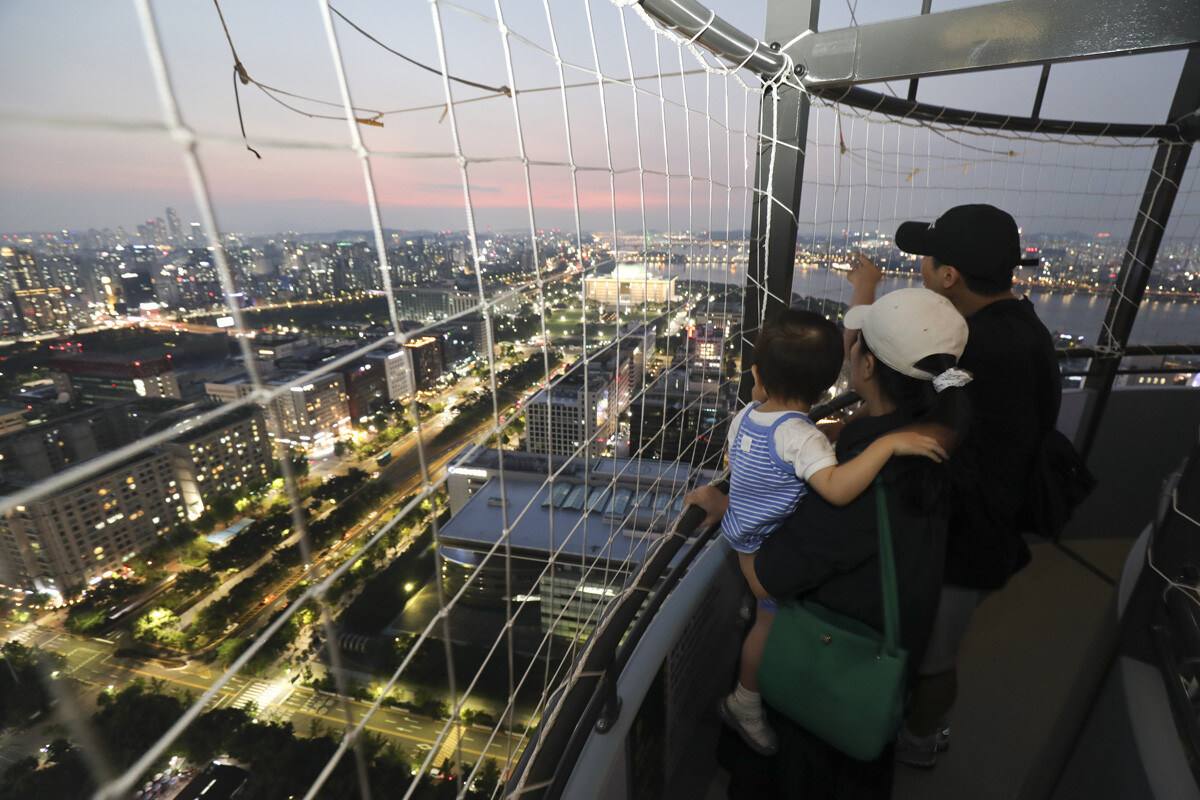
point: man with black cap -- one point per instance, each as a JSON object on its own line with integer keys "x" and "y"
{"x": 970, "y": 253}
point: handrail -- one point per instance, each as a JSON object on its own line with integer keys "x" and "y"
{"x": 1065, "y": 353}
{"x": 1075, "y": 353}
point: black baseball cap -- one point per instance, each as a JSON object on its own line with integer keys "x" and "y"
{"x": 979, "y": 240}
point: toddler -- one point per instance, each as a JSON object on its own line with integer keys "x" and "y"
{"x": 775, "y": 456}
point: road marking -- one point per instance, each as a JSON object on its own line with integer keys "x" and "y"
{"x": 449, "y": 747}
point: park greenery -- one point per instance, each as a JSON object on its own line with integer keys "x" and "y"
{"x": 281, "y": 763}
{"x": 24, "y": 679}
{"x": 254, "y": 555}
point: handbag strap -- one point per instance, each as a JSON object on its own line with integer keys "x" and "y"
{"x": 887, "y": 573}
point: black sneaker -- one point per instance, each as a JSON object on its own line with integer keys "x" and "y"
{"x": 916, "y": 751}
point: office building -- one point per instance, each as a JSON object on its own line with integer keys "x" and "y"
{"x": 630, "y": 284}
{"x": 103, "y": 377}
{"x": 366, "y": 387}
{"x": 612, "y": 510}
{"x": 584, "y": 406}
{"x": 310, "y": 415}
{"x": 705, "y": 349}
{"x": 397, "y": 372}
{"x": 682, "y": 416}
{"x": 573, "y": 415}
{"x": 427, "y": 364}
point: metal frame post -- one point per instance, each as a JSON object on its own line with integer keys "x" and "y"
{"x": 779, "y": 179}
{"x": 1170, "y": 163}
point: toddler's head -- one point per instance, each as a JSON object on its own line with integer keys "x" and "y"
{"x": 798, "y": 355}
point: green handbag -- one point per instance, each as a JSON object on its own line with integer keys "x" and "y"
{"x": 837, "y": 677}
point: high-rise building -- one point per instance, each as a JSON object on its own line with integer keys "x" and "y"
{"x": 705, "y": 349}
{"x": 585, "y": 405}
{"x": 23, "y": 272}
{"x": 682, "y": 416}
{"x": 427, "y": 364}
{"x": 366, "y": 387}
{"x": 310, "y": 415}
{"x": 174, "y": 227}
{"x": 397, "y": 372}
{"x": 93, "y": 526}
{"x": 42, "y": 311}
{"x": 314, "y": 414}
{"x": 576, "y": 414}
{"x": 39, "y": 306}
{"x": 137, "y": 280}
{"x": 463, "y": 338}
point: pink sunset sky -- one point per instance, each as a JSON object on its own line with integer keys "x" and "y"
{"x": 82, "y": 142}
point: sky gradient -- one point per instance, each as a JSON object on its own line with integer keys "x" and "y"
{"x": 82, "y": 144}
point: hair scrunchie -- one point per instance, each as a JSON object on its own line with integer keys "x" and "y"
{"x": 951, "y": 377}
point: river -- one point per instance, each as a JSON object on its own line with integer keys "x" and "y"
{"x": 1077, "y": 314}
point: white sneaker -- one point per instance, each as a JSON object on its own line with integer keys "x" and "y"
{"x": 751, "y": 726}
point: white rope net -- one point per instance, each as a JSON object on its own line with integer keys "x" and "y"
{"x": 603, "y": 174}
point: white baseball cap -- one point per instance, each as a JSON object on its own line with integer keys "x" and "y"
{"x": 907, "y": 325}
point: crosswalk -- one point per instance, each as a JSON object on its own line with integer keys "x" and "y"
{"x": 24, "y": 635}
{"x": 268, "y": 698}
{"x": 449, "y": 746}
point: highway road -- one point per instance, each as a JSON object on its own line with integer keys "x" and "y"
{"x": 94, "y": 665}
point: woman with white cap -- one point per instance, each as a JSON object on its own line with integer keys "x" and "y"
{"x": 903, "y": 363}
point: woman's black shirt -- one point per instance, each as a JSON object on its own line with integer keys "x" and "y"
{"x": 829, "y": 553}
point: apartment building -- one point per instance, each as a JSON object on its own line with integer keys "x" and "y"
{"x": 221, "y": 457}
{"x": 71, "y": 537}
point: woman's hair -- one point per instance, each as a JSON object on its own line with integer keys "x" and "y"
{"x": 924, "y": 487}
{"x": 798, "y": 354}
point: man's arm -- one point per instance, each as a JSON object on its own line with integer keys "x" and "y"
{"x": 864, "y": 276}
